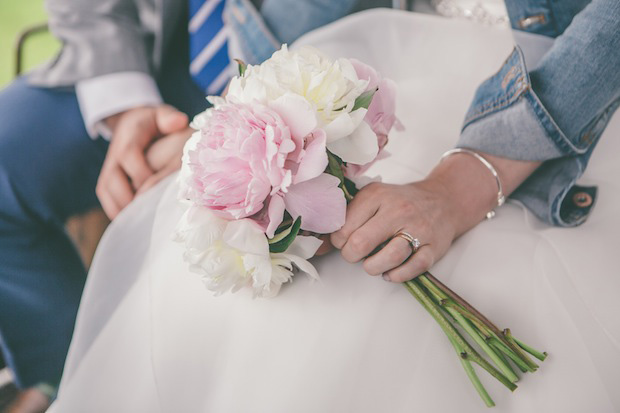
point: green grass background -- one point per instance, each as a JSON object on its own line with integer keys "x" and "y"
{"x": 15, "y": 16}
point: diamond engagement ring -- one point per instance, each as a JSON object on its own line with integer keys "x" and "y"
{"x": 413, "y": 242}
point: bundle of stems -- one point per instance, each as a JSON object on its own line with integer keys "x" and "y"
{"x": 448, "y": 309}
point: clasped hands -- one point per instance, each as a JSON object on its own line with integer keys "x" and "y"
{"x": 146, "y": 146}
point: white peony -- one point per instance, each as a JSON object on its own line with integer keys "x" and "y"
{"x": 330, "y": 87}
{"x": 233, "y": 254}
{"x": 185, "y": 174}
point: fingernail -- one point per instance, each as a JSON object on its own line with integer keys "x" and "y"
{"x": 386, "y": 277}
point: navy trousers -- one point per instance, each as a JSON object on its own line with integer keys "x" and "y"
{"x": 48, "y": 171}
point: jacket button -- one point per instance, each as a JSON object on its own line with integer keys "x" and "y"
{"x": 531, "y": 20}
{"x": 582, "y": 199}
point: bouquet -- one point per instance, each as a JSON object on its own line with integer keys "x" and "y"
{"x": 272, "y": 166}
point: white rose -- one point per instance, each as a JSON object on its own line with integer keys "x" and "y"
{"x": 329, "y": 86}
{"x": 233, "y": 254}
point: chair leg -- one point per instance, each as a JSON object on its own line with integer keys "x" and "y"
{"x": 21, "y": 40}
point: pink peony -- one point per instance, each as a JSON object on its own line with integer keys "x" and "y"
{"x": 381, "y": 116}
{"x": 254, "y": 161}
{"x": 240, "y": 159}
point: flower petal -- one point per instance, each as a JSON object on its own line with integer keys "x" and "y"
{"x": 314, "y": 160}
{"x": 185, "y": 175}
{"x": 296, "y": 112}
{"x": 344, "y": 124}
{"x": 246, "y": 236}
{"x": 381, "y": 112}
{"x": 319, "y": 202}
{"x": 275, "y": 213}
{"x": 301, "y": 263}
{"x": 366, "y": 72}
{"x": 359, "y": 148}
{"x": 304, "y": 246}
{"x": 198, "y": 228}
{"x": 261, "y": 269}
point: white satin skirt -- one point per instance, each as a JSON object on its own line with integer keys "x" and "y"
{"x": 150, "y": 338}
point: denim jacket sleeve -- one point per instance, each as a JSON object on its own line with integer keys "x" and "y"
{"x": 556, "y": 112}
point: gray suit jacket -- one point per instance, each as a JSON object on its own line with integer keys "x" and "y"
{"x": 108, "y": 36}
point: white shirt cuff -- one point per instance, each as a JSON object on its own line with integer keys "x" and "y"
{"x": 107, "y": 95}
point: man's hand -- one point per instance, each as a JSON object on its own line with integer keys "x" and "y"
{"x": 164, "y": 157}
{"x": 125, "y": 168}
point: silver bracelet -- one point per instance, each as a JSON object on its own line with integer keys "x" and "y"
{"x": 500, "y": 191}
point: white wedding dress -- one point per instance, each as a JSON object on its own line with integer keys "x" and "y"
{"x": 151, "y": 338}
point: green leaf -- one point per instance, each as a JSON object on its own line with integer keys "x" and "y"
{"x": 283, "y": 244}
{"x": 281, "y": 233}
{"x": 351, "y": 188}
{"x": 334, "y": 166}
{"x": 241, "y": 65}
{"x": 363, "y": 100}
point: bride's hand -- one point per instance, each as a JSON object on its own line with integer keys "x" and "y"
{"x": 379, "y": 211}
{"x": 454, "y": 198}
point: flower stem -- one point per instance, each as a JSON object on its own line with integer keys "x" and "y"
{"x": 503, "y": 357}
{"x": 453, "y": 335}
{"x": 469, "y": 328}
{"x": 347, "y": 195}
{"x": 539, "y": 355}
{"x": 417, "y": 291}
{"x": 498, "y": 345}
{"x": 495, "y": 343}
{"x": 436, "y": 313}
{"x": 508, "y": 336}
{"x": 504, "y": 337}
{"x": 457, "y": 298}
{"x": 473, "y": 377}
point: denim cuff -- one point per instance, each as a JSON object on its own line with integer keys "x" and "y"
{"x": 551, "y": 194}
{"x": 507, "y": 119}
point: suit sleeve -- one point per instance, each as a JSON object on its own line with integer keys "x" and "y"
{"x": 107, "y": 54}
{"x": 99, "y": 38}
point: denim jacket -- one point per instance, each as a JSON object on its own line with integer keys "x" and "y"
{"x": 554, "y": 113}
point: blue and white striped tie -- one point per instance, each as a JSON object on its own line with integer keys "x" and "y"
{"x": 208, "y": 45}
